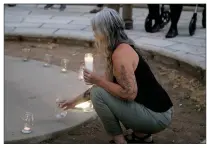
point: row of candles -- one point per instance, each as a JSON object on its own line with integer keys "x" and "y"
{"x": 60, "y": 113}
{"x": 88, "y": 61}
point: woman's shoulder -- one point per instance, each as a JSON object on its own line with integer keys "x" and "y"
{"x": 123, "y": 50}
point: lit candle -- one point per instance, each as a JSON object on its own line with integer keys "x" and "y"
{"x": 26, "y": 52}
{"x": 64, "y": 65}
{"x": 89, "y": 61}
{"x": 26, "y": 129}
{"x": 47, "y": 60}
{"x": 64, "y": 70}
{"x": 85, "y": 106}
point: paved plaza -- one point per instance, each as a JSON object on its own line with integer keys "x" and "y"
{"x": 30, "y": 87}
{"x": 75, "y": 22}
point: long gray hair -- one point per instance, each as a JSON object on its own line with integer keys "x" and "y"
{"x": 110, "y": 25}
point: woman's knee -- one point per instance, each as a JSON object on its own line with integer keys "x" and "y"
{"x": 97, "y": 93}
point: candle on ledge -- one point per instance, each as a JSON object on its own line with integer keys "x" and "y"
{"x": 47, "y": 59}
{"x": 64, "y": 65}
{"x": 26, "y": 129}
{"x": 85, "y": 106}
{"x": 26, "y": 52}
{"x": 89, "y": 61}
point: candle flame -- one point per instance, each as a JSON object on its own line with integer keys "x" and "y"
{"x": 83, "y": 105}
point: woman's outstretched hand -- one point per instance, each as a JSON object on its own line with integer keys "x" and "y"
{"x": 66, "y": 104}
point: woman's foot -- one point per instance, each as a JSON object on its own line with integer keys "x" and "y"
{"x": 145, "y": 137}
{"x": 139, "y": 138}
{"x": 119, "y": 139}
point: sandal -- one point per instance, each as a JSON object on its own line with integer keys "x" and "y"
{"x": 141, "y": 140}
{"x": 112, "y": 142}
{"x": 133, "y": 139}
{"x": 127, "y": 138}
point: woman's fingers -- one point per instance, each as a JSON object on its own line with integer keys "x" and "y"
{"x": 86, "y": 71}
{"x": 87, "y": 77}
{"x": 63, "y": 105}
{"x": 66, "y": 108}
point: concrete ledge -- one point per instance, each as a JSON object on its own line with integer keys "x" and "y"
{"x": 22, "y": 93}
{"x": 40, "y": 138}
{"x": 160, "y": 54}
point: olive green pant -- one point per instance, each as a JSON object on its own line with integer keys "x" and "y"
{"x": 132, "y": 115}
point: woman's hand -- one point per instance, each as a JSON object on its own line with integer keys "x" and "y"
{"x": 66, "y": 104}
{"x": 91, "y": 77}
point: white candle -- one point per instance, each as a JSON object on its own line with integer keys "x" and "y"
{"x": 89, "y": 61}
{"x": 80, "y": 74}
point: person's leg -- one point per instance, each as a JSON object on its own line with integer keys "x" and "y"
{"x": 175, "y": 12}
{"x": 127, "y": 16}
{"x": 109, "y": 120}
{"x": 100, "y": 5}
{"x": 132, "y": 115}
{"x": 62, "y": 7}
{"x": 154, "y": 13}
{"x": 114, "y": 6}
{"x": 204, "y": 17}
{"x": 98, "y": 8}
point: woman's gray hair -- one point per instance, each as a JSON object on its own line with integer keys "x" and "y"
{"x": 109, "y": 24}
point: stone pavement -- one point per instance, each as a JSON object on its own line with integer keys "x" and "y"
{"x": 26, "y": 89}
{"x": 75, "y": 22}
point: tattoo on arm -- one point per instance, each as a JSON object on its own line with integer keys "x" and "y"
{"x": 128, "y": 82}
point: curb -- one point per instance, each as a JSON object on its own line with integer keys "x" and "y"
{"x": 149, "y": 52}
{"x": 41, "y": 138}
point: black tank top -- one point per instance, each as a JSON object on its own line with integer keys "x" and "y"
{"x": 150, "y": 92}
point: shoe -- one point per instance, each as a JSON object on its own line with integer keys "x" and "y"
{"x": 62, "y": 8}
{"x": 47, "y": 7}
{"x": 133, "y": 139}
{"x": 96, "y": 10}
{"x": 155, "y": 28}
{"x": 11, "y": 5}
{"x": 128, "y": 24}
{"x": 172, "y": 33}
